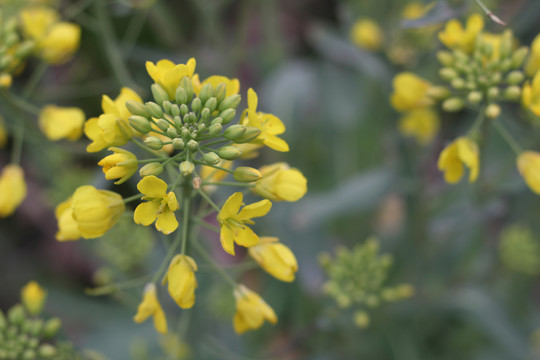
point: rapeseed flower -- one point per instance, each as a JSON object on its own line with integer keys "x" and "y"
{"x": 367, "y": 34}
{"x": 462, "y": 151}
{"x": 120, "y": 165}
{"x": 12, "y": 189}
{"x": 150, "y": 306}
{"x": 275, "y": 258}
{"x": 61, "y": 122}
{"x": 530, "y": 96}
{"x": 168, "y": 74}
{"x": 281, "y": 183}
{"x": 251, "y": 310}
{"x": 33, "y": 297}
{"x": 160, "y": 206}
{"x": 454, "y": 36}
{"x": 421, "y": 124}
{"x": 528, "y": 163}
{"x": 410, "y": 92}
{"x": 182, "y": 281}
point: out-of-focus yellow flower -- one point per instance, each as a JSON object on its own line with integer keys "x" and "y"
{"x": 61, "y": 122}
{"x": 454, "y": 36}
{"x": 269, "y": 125}
{"x": 275, "y": 258}
{"x": 232, "y": 86}
{"x": 160, "y": 206}
{"x": 410, "y": 92}
{"x": 530, "y": 96}
{"x": 420, "y": 124}
{"x": 89, "y": 213}
{"x": 462, "y": 151}
{"x": 182, "y": 281}
{"x": 533, "y": 63}
{"x": 33, "y": 297}
{"x": 168, "y": 74}
{"x": 3, "y": 133}
{"x": 367, "y": 34}
{"x": 528, "y": 164}
{"x": 281, "y": 183}
{"x": 494, "y": 41}
{"x": 120, "y": 165}
{"x": 12, "y": 189}
{"x": 233, "y": 221}
{"x": 210, "y": 174}
{"x": 251, "y": 310}
{"x": 150, "y": 306}
{"x": 111, "y": 128}
{"x": 416, "y": 10}
{"x": 5, "y": 81}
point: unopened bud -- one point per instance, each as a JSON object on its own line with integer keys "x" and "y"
{"x": 185, "y": 83}
{"x": 153, "y": 168}
{"x": 453, "y": 104}
{"x": 175, "y": 110}
{"x": 515, "y": 77}
{"x": 217, "y": 120}
{"x": 250, "y": 134}
{"x": 246, "y": 174}
{"x": 192, "y": 145}
{"x": 230, "y": 102}
{"x": 16, "y": 314}
{"x": 214, "y": 129}
{"x": 445, "y": 58}
{"x": 140, "y": 124}
{"x": 205, "y": 114}
{"x": 163, "y": 124}
{"x": 458, "y": 83}
{"x": 519, "y": 56}
{"x": 201, "y": 127}
{"x": 206, "y": 92}
{"x": 183, "y": 109}
{"x": 234, "y": 132}
{"x": 51, "y": 328}
{"x": 211, "y": 104}
{"x": 448, "y": 74}
{"x": 438, "y": 92}
{"x": 186, "y": 168}
{"x": 220, "y": 91}
{"x": 506, "y": 44}
{"x": 178, "y": 143}
{"x": 493, "y": 111}
{"x": 475, "y": 97}
{"x": 493, "y": 92}
{"x": 153, "y": 143}
{"x": 196, "y": 105}
{"x": 229, "y": 152}
{"x": 178, "y": 122}
{"x": 167, "y": 106}
{"x": 154, "y": 109}
{"x": 211, "y": 158}
{"x": 227, "y": 115}
{"x": 137, "y": 108}
{"x": 512, "y": 93}
{"x": 47, "y": 351}
{"x": 159, "y": 94}
{"x": 172, "y": 133}
{"x": 181, "y": 96}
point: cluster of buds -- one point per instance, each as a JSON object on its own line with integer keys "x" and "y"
{"x": 519, "y": 250}
{"x": 357, "y": 279}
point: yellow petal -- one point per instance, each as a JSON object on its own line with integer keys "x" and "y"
{"x": 166, "y": 222}
{"x": 231, "y": 207}
{"x": 226, "y": 237}
{"x": 146, "y": 212}
{"x": 257, "y": 209}
{"x": 152, "y": 187}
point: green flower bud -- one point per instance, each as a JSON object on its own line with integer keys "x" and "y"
{"x": 211, "y": 104}
{"x": 518, "y": 56}
{"x": 246, "y": 174}
{"x": 175, "y": 110}
{"x": 186, "y": 168}
{"x": 217, "y": 120}
{"x": 211, "y": 158}
{"x": 250, "y": 134}
{"x": 205, "y": 114}
{"x": 505, "y": 65}
{"x": 214, "y": 129}
{"x": 458, "y": 83}
{"x": 192, "y": 145}
{"x": 461, "y": 56}
{"x": 184, "y": 109}
{"x": 512, "y": 93}
{"x": 29, "y": 354}
{"x": 515, "y": 77}
{"x": 190, "y": 118}
{"x": 186, "y": 84}
{"x": 229, "y": 152}
{"x": 196, "y": 105}
{"x": 178, "y": 143}
{"x": 153, "y": 143}
{"x": 153, "y": 168}
{"x": 167, "y": 106}
{"x": 493, "y": 111}
{"x": 475, "y": 97}
{"x": 47, "y": 351}
{"x": 51, "y": 328}
{"x": 234, "y": 131}
{"x": 438, "y": 92}
{"x": 159, "y": 94}
{"x": 181, "y": 96}
{"x": 453, "y": 104}
{"x": 495, "y": 78}
{"x": 201, "y": 127}
{"x": 137, "y": 108}
{"x": 194, "y": 134}
{"x": 16, "y": 314}
{"x": 206, "y": 92}
{"x": 227, "y": 115}
{"x": 172, "y": 133}
{"x": 25, "y": 49}
{"x": 230, "y": 102}
{"x": 220, "y": 91}
{"x": 33, "y": 343}
{"x": 178, "y": 122}
{"x": 163, "y": 124}
{"x": 493, "y": 92}
{"x": 506, "y": 44}
{"x": 185, "y": 133}
{"x": 154, "y": 109}
{"x": 448, "y": 74}
{"x": 35, "y": 327}
{"x": 445, "y": 58}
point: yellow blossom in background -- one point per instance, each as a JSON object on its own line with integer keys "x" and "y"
{"x": 275, "y": 258}
{"x": 269, "y": 125}
{"x": 281, "y": 183}
{"x": 67, "y": 226}
{"x": 530, "y": 96}
{"x": 120, "y": 165}
{"x": 251, "y": 310}
{"x": 168, "y": 74}
{"x": 232, "y": 86}
{"x": 410, "y": 92}
{"x": 420, "y": 124}
{"x": 33, "y": 297}
{"x": 462, "y": 151}
{"x": 61, "y": 122}
{"x": 416, "y": 10}
{"x": 12, "y": 189}
{"x": 494, "y": 41}
{"x": 150, "y": 306}
{"x": 533, "y": 62}
{"x": 528, "y": 164}
{"x": 160, "y": 206}
{"x": 367, "y": 34}
{"x": 5, "y": 81}
{"x": 233, "y": 221}
{"x": 454, "y": 36}
{"x": 210, "y": 174}
{"x": 182, "y": 281}
{"x": 3, "y": 133}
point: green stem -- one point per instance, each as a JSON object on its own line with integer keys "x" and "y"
{"x": 18, "y": 144}
{"x": 76, "y": 8}
{"x": 144, "y": 147}
{"x": 516, "y": 148}
{"x": 215, "y": 167}
{"x": 22, "y": 104}
{"x": 229, "y": 183}
{"x": 207, "y": 225}
{"x": 478, "y": 122}
{"x": 168, "y": 257}
{"x": 134, "y": 29}
{"x": 132, "y": 198}
{"x": 186, "y": 214}
{"x": 215, "y": 142}
{"x": 202, "y": 251}
{"x": 34, "y": 79}
{"x": 108, "y": 289}
{"x": 207, "y": 198}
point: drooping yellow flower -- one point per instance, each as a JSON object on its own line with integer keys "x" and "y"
{"x": 232, "y": 86}
{"x": 462, "y": 151}
{"x": 533, "y": 62}
{"x": 454, "y": 36}
{"x": 275, "y": 258}
{"x": 182, "y": 281}
{"x": 67, "y": 226}
{"x": 410, "y": 92}
{"x": 530, "y": 96}
{"x": 367, "y": 34}
{"x": 210, "y": 174}
{"x": 161, "y": 205}
{"x": 251, "y": 310}
{"x": 270, "y": 125}
{"x": 33, "y": 297}
{"x": 528, "y": 164}
{"x": 12, "y": 189}
{"x": 168, "y": 74}
{"x": 150, "y": 306}
{"x": 420, "y": 124}
{"x": 111, "y": 128}
{"x": 61, "y": 122}
{"x": 233, "y": 221}
{"x": 281, "y": 183}
{"x": 120, "y": 165}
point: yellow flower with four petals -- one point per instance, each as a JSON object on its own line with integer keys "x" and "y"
{"x": 160, "y": 206}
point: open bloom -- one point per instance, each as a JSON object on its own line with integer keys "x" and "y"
{"x": 533, "y": 63}
{"x": 182, "y": 281}
{"x": 120, "y": 165}
{"x": 160, "y": 206}
{"x": 410, "y": 92}
{"x": 168, "y": 74}
{"x": 12, "y": 189}
{"x": 367, "y": 34}
{"x": 275, "y": 258}
{"x": 421, "y": 124}
{"x": 232, "y": 86}
{"x": 251, "y": 310}
{"x": 61, "y": 122}
{"x": 33, "y": 297}
{"x": 531, "y": 95}
{"x": 462, "y": 151}
{"x": 528, "y": 163}
{"x": 150, "y": 306}
{"x": 454, "y": 36}
{"x": 281, "y": 183}
{"x": 233, "y": 221}
{"x": 270, "y": 125}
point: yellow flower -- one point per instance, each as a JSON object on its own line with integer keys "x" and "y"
{"x": 168, "y": 74}
{"x": 251, "y": 310}
{"x": 531, "y": 95}
{"x": 3, "y": 133}
{"x": 455, "y": 37}
{"x": 275, "y": 258}
{"x": 528, "y": 163}
{"x": 421, "y": 124}
{"x": 89, "y": 212}
{"x": 232, "y": 86}
{"x": 269, "y": 125}
{"x": 120, "y": 165}
{"x": 150, "y": 306}
{"x": 367, "y": 34}
{"x": 210, "y": 174}
{"x": 33, "y": 297}
{"x": 12, "y": 189}
{"x": 410, "y": 92}
{"x": 416, "y": 10}
{"x": 112, "y": 128}
{"x": 61, "y": 122}
{"x": 533, "y": 63}
{"x": 182, "y": 281}
{"x": 462, "y": 151}
{"x": 281, "y": 183}
{"x": 161, "y": 205}
{"x": 5, "y": 81}
{"x": 233, "y": 222}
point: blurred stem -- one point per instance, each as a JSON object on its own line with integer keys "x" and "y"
{"x": 144, "y": 147}
{"x": 108, "y": 289}
{"x": 229, "y": 183}
{"x": 22, "y": 104}
{"x": 478, "y": 122}
{"x": 132, "y": 198}
{"x": 187, "y": 188}
{"x": 34, "y": 79}
{"x": 516, "y": 148}
{"x": 76, "y": 8}
{"x": 134, "y": 29}
{"x": 215, "y": 167}
{"x": 208, "y": 200}
{"x": 207, "y": 225}
{"x": 168, "y": 257}
{"x": 202, "y": 251}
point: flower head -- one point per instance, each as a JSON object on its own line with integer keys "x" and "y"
{"x": 12, "y": 189}
{"x": 33, "y": 297}
{"x": 120, "y": 165}
{"x": 421, "y": 124}
{"x": 454, "y": 36}
{"x": 61, "y": 122}
{"x": 281, "y": 183}
{"x": 531, "y": 95}
{"x": 232, "y": 86}
{"x": 168, "y": 74}
{"x": 528, "y": 163}
{"x": 275, "y": 258}
{"x": 367, "y": 34}
{"x": 160, "y": 206}
{"x": 462, "y": 151}
{"x": 182, "y": 281}
{"x": 150, "y": 306}
{"x": 410, "y": 92}
{"x": 233, "y": 221}
{"x": 251, "y": 310}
